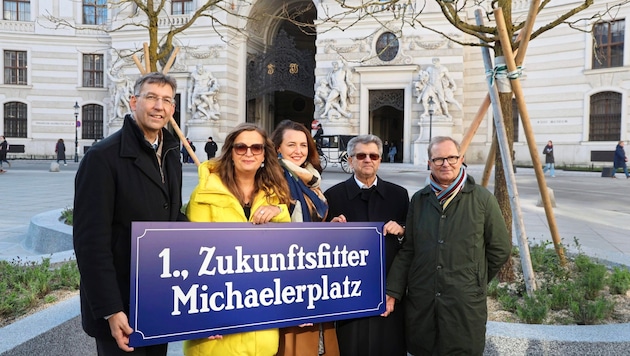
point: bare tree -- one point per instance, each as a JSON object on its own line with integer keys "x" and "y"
{"x": 409, "y": 13}
{"x": 146, "y": 14}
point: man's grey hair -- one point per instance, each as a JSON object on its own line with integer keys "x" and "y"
{"x": 364, "y": 139}
{"x": 439, "y": 139}
{"x": 154, "y": 78}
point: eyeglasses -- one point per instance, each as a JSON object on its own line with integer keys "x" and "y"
{"x": 373, "y": 156}
{"x": 440, "y": 161}
{"x": 241, "y": 148}
{"x": 154, "y": 98}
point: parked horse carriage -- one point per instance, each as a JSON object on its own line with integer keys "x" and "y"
{"x": 332, "y": 149}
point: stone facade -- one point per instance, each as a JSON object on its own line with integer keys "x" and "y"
{"x": 558, "y": 79}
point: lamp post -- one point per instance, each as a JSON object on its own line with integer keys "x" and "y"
{"x": 76, "y": 131}
{"x": 431, "y": 112}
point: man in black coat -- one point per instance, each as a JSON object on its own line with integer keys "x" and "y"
{"x": 366, "y": 197}
{"x": 211, "y": 148}
{"x": 133, "y": 175}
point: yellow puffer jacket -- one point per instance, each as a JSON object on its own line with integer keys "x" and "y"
{"x": 211, "y": 201}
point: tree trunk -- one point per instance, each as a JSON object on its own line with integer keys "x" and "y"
{"x": 506, "y": 274}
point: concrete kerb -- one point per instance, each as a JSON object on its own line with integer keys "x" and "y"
{"x": 51, "y": 327}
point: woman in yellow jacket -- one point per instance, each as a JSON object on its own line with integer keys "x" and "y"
{"x": 245, "y": 184}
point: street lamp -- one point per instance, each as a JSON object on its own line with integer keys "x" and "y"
{"x": 76, "y": 131}
{"x": 431, "y": 112}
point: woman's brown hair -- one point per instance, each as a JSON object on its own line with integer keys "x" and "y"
{"x": 269, "y": 177}
{"x": 278, "y": 135}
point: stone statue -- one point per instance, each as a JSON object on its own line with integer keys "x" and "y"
{"x": 341, "y": 88}
{"x": 202, "y": 95}
{"x": 321, "y": 94}
{"x": 122, "y": 90}
{"x": 436, "y": 82}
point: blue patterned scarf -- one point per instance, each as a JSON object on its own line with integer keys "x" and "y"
{"x": 304, "y": 186}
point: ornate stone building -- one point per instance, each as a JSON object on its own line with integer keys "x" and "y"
{"x": 375, "y": 75}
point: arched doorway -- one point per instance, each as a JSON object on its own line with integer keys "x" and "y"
{"x": 280, "y": 74}
{"x": 387, "y": 118}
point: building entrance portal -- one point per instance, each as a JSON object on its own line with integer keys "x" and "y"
{"x": 281, "y": 78}
{"x": 387, "y": 119}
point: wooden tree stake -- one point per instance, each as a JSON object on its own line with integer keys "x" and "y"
{"x": 529, "y": 134}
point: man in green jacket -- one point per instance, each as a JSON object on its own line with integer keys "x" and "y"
{"x": 456, "y": 242}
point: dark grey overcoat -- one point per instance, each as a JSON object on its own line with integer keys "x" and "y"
{"x": 118, "y": 182}
{"x": 444, "y": 267}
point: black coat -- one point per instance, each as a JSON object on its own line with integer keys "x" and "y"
{"x": 372, "y": 336}
{"x": 118, "y": 182}
{"x": 61, "y": 151}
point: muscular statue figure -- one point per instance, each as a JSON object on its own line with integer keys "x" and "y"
{"x": 202, "y": 95}
{"x": 122, "y": 89}
{"x": 437, "y": 82}
{"x": 341, "y": 87}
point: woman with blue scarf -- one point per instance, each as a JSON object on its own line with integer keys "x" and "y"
{"x": 299, "y": 158}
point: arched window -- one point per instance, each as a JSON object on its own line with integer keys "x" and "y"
{"x": 605, "y": 118}
{"x": 15, "y": 119}
{"x": 92, "y": 125}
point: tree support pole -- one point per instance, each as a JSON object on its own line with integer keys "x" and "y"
{"x": 508, "y": 169}
{"x": 529, "y": 134}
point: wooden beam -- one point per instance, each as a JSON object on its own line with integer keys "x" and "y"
{"x": 171, "y": 59}
{"x": 529, "y": 134}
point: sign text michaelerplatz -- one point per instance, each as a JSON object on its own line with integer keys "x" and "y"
{"x": 193, "y": 280}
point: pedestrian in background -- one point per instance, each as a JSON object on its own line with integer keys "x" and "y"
{"x": 211, "y": 148}
{"x": 365, "y": 197}
{"x": 386, "y": 149}
{"x": 4, "y": 148}
{"x": 194, "y": 149}
{"x": 245, "y": 184}
{"x": 549, "y": 160}
{"x": 300, "y": 161}
{"x": 392, "y": 152}
{"x": 185, "y": 155}
{"x": 60, "y": 149}
{"x": 132, "y": 175}
{"x": 620, "y": 160}
{"x": 456, "y": 242}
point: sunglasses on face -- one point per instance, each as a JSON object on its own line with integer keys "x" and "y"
{"x": 241, "y": 148}
{"x": 373, "y": 156}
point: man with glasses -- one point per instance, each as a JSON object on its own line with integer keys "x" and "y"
{"x": 456, "y": 243}
{"x": 133, "y": 175}
{"x": 366, "y": 197}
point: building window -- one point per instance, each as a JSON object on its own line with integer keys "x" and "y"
{"x": 15, "y": 66}
{"x": 387, "y": 46}
{"x": 16, "y": 10}
{"x": 15, "y": 119}
{"x": 92, "y": 124}
{"x": 94, "y": 12}
{"x": 608, "y": 44}
{"x": 181, "y": 7}
{"x": 93, "y": 70}
{"x": 605, "y": 119}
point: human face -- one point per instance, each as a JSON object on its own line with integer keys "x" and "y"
{"x": 447, "y": 172}
{"x": 248, "y": 162}
{"x": 366, "y": 168}
{"x": 294, "y": 146}
{"x": 150, "y": 115}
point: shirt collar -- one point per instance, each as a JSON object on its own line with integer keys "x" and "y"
{"x": 363, "y": 186}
